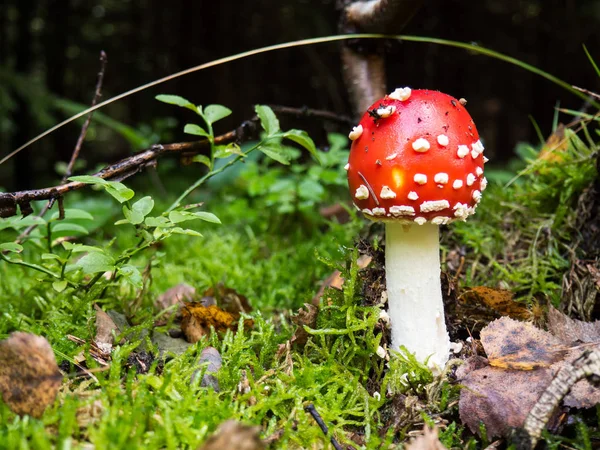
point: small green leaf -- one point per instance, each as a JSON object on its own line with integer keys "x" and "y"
{"x": 310, "y": 190}
{"x": 60, "y": 285}
{"x": 302, "y": 138}
{"x": 181, "y": 216}
{"x": 89, "y": 179}
{"x": 158, "y": 222}
{"x": 133, "y": 217}
{"x": 132, "y": 275}
{"x": 11, "y": 247}
{"x": 139, "y": 210}
{"x": 203, "y": 159}
{"x": 70, "y": 227}
{"x": 94, "y": 262}
{"x": 225, "y": 151}
{"x": 187, "y": 232}
{"x": 213, "y": 113}
{"x": 274, "y": 151}
{"x": 119, "y": 191}
{"x": 18, "y": 222}
{"x": 50, "y": 256}
{"x": 207, "y": 217}
{"x": 196, "y": 130}
{"x": 80, "y": 248}
{"x": 268, "y": 119}
{"x": 72, "y": 213}
{"x": 176, "y": 100}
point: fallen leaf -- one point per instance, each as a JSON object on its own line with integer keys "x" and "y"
{"x": 336, "y": 211}
{"x": 232, "y": 435}
{"x": 427, "y": 441}
{"x": 174, "y": 296}
{"x": 511, "y": 344}
{"x": 555, "y": 146}
{"x": 525, "y": 359}
{"x": 336, "y": 281}
{"x": 29, "y": 375}
{"x": 500, "y": 398}
{"x": 227, "y": 299}
{"x": 499, "y": 300}
{"x": 583, "y": 394}
{"x": 307, "y": 316}
{"x": 105, "y": 331}
{"x": 198, "y": 320}
{"x": 570, "y": 330}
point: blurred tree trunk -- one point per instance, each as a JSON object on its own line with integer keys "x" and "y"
{"x": 23, "y": 64}
{"x": 363, "y": 64}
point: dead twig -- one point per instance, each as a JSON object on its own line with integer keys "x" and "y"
{"x": 76, "y": 151}
{"x": 586, "y": 366}
{"x": 88, "y": 120}
{"x": 131, "y": 165}
{"x": 310, "y": 408}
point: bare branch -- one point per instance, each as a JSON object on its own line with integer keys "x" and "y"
{"x": 76, "y": 150}
{"x": 135, "y": 163}
{"x": 84, "y": 128}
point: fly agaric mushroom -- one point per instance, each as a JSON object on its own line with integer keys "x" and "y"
{"x": 416, "y": 163}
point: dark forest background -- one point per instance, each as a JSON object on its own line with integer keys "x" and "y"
{"x": 49, "y": 52}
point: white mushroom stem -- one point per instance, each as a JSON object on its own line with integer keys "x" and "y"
{"x": 415, "y": 306}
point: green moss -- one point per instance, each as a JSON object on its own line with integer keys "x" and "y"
{"x": 519, "y": 238}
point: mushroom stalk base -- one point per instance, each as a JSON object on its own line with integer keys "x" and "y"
{"x": 415, "y": 306}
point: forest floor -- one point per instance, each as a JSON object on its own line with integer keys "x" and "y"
{"x": 245, "y": 337}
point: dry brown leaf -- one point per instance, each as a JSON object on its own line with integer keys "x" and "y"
{"x": 571, "y": 331}
{"x": 105, "y": 331}
{"x": 427, "y": 441}
{"x": 175, "y": 296}
{"x": 227, "y": 299}
{"x": 29, "y": 375}
{"x": 232, "y": 435}
{"x": 511, "y": 344}
{"x": 555, "y": 146}
{"x": 198, "y": 320}
{"x": 499, "y": 300}
{"x": 500, "y": 398}
{"x": 336, "y": 281}
{"x": 308, "y": 317}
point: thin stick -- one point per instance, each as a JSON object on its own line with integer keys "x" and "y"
{"x": 76, "y": 150}
{"x": 135, "y": 163}
{"x": 84, "y": 128}
{"x": 586, "y": 366}
{"x": 369, "y": 188}
{"x": 585, "y": 91}
{"x": 302, "y": 42}
{"x": 75, "y": 154}
{"x": 310, "y": 408}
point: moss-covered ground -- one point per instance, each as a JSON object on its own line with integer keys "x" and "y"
{"x": 275, "y": 249}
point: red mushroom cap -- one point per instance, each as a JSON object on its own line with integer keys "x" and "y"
{"x": 416, "y": 157}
